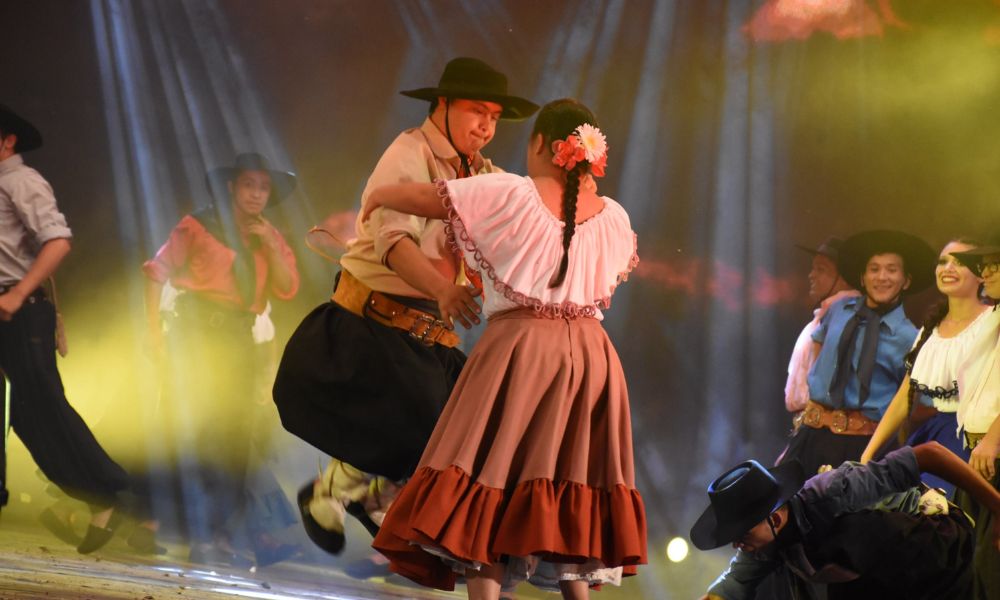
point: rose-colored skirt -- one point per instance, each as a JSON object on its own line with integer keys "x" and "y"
{"x": 531, "y": 460}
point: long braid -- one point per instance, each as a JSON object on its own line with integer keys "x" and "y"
{"x": 557, "y": 120}
{"x": 569, "y": 219}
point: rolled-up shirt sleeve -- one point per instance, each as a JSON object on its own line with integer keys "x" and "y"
{"x": 36, "y": 207}
{"x": 173, "y": 254}
{"x": 401, "y": 163}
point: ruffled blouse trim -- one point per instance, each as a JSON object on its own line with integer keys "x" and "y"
{"x": 466, "y": 522}
{"x": 459, "y": 240}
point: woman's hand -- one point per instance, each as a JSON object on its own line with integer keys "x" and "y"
{"x": 458, "y": 302}
{"x": 984, "y": 456}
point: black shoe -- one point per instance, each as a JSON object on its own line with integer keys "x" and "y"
{"x": 330, "y": 541}
{"x": 59, "y": 528}
{"x": 143, "y": 541}
{"x": 97, "y": 537}
{"x": 357, "y": 510}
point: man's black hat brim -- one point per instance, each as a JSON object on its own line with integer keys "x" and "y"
{"x": 472, "y": 79}
{"x": 282, "y": 182}
{"x": 918, "y": 257}
{"x": 713, "y": 529}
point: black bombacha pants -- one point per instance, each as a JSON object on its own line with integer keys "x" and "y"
{"x": 52, "y": 431}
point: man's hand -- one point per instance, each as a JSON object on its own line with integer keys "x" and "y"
{"x": 10, "y": 303}
{"x": 983, "y": 457}
{"x": 458, "y": 302}
{"x": 710, "y": 597}
{"x": 267, "y": 235}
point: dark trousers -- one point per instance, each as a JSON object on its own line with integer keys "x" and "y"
{"x": 52, "y": 431}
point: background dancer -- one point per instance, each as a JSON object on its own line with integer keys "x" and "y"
{"x": 979, "y": 418}
{"x": 225, "y": 261}
{"x": 34, "y": 239}
{"x": 828, "y": 529}
{"x": 958, "y": 336}
{"x": 860, "y": 346}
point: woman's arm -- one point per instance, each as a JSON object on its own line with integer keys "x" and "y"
{"x": 419, "y": 199}
{"x": 892, "y": 419}
{"x": 934, "y": 458}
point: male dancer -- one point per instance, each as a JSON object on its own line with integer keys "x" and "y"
{"x": 863, "y": 530}
{"x": 826, "y": 286}
{"x": 859, "y": 346}
{"x": 34, "y": 240}
{"x": 366, "y": 375}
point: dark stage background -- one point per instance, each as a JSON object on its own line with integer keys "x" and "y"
{"x": 726, "y": 151}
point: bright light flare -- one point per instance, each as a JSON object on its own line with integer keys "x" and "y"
{"x": 677, "y": 549}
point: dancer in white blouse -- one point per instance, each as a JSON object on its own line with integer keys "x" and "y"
{"x": 956, "y": 338}
{"x": 979, "y": 418}
{"x": 529, "y": 473}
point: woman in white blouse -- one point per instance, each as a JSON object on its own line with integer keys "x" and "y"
{"x": 529, "y": 472}
{"x": 979, "y": 418}
{"x": 955, "y": 342}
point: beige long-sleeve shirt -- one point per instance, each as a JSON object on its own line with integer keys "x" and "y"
{"x": 421, "y": 154}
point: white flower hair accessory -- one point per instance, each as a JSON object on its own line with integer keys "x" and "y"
{"x": 585, "y": 143}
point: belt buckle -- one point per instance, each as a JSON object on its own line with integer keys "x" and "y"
{"x": 839, "y": 421}
{"x": 812, "y": 416}
{"x": 428, "y": 323}
{"x": 216, "y": 319}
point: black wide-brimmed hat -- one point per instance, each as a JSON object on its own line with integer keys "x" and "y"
{"x": 28, "y": 137}
{"x": 918, "y": 257}
{"x": 472, "y": 79}
{"x": 974, "y": 258}
{"x": 741, "y": 498}
{"x": 282, "y": 182}
{"x": 830, "y": 248}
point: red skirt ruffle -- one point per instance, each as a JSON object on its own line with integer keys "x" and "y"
{"x": 560, "y": 522}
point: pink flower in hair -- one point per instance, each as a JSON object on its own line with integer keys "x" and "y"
{"x": 597, "y": 167}
{"x": 568, "y": 152}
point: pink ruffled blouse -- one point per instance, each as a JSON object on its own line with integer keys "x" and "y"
{"x": 506, "y": 233}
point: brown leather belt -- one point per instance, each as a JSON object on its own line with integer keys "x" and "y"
{"x": 363, "y": 301}
{"x": 841, "y": 422}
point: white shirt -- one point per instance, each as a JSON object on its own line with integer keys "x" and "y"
{"x": 935, "y": 372}
{"x": 979, "y": 405}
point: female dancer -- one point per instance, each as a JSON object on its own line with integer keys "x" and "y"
{"x": 528, "y": 474}
{"x": 979, "y": 418}
{"x": 957, "y": 337}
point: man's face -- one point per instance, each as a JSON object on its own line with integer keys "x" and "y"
{"x": 822, "y": 278}
{"x": 884, "y": 278}
{"x": 7, "y": 144}
{"x": 250, "y": 191}
{"x": 953, "y": 277}
{"x": 472, "y": 123}
{"x": 757, "y": 539}
{"x": 991, "y": 275}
